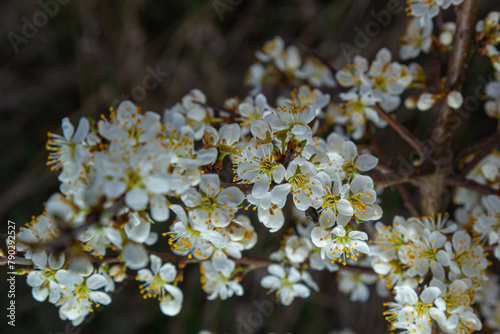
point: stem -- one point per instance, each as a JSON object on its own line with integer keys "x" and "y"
{"x": 17, "y": 260}
{"x": 459, "y": 181}
{"x": 402, "y": 131}
{"x": 433, "y": 192}
{"x": 488, "y": 143}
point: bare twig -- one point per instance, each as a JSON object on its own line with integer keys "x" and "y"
{"x": 402, "y": 131}
{"x": 17, "y": 260}
{"x": 407, "y": 200}
{"x": 488, "y": 143}
{"x": 477, "y": 159}
{"x": 459, "y": 181}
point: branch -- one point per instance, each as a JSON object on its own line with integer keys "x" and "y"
{"x": 466, "y": 14}
{"x": 459, "y": 181}
{"x": 17, "y": 260}
{"x": 477, "y": 159}
{"x": 402, "y": 131}
{"x": 407, "y": 200}
{"x": 383, "y": 180}
{"x": 483, "y": 147}
{"x": 181, "y": 261}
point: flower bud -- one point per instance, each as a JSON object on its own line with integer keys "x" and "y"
{"x": 447, "y": 33}
{"x": 210, "y": 138}
{"x": 426, "y": 101}
{"x": 229, "y": 135}
{"x": 411, "y": 102}
{"x": 455, "y": 99}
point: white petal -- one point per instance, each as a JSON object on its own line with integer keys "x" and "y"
{"x": 366, "y": 162}
{"x": 135, "y": 256}
{"x": 171, "y": 305}
{"x": 261, "y": 187}
{"x": 56, "y": 262}
{"x": 430, "y": 294}
{"x": 82, "y": 130}
{"x": 168, "y": 272}
{"x": 40, "y": 294}
{"x": 95, "y": 282}
{"x": 34, "y": 278}
{"x": 155, "y": 263}
{"x": 136, "y": 199}
{"x": 68, "y": 128}
{"x": 321, "y": 236}
{"x": 345, "y": 208}
{"x": 276, "y": 270}
{"x": 39, "y": 258}
{"x": 100, "y": 297}
{"x": 301, "y": 290}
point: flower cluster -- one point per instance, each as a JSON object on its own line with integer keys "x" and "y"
{"x": 126, "y": 177}
{"x": 417, "y": 248}
{"x": 379, "y": 84}
{"x": 488, "y": 37}
{"x": 425, "y": 10}
{"x": 274, "y": 61}
{"x": 187, "y": 179}
{"x": 470, "y": 203}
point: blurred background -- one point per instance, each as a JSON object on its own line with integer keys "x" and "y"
{"x": 82, "y": 57}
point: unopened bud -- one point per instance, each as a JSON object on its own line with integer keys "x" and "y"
{"x": 455, "y": 99}
{"x": 426, "y": 101}
{"x": 411, "y": 102}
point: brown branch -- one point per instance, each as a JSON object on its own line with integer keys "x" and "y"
{"x": 477, "y": 159}
{"x": 488, "y": 143}
{"x": 407, "y": 200}
{"x": 482, "y": 148}
{"x": 402, "y": 131}
{"x": 181, "y": 261}
{"x": 69, "y": 234}
{"x": 17, "y": 260}
{"x": 459, "y": 181}
{"x": 466, "y": 14}
{"x": 434, "y": 195}
{"x": 383, "y": 180}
